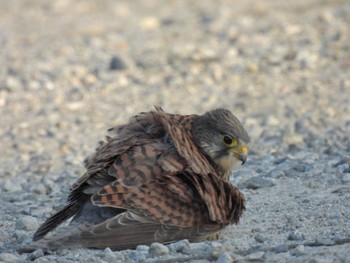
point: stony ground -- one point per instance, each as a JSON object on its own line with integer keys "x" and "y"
{"x": 72, "y": 69}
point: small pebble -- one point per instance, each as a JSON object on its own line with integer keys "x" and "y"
{"x": 298, "y": 251}
{"x": 3, "y": 234}
{"x": 117, "y": 63}
{"x": 260, "y": 237}
{"x": 142, "y": 248}
{"x": 281, "y": 248}
{"x": 275, "y": 174}
{"x": 12, "y": 186}
{"x": 180, "y": 246}
{"x": 36, "y": 254}
{"x": 345, "y": 178}
{"x": 27, "y": 223}
{"x": 7, "y": 257}
{"x": 137, "y": 255}
{"x": 158, "y": 249}
{"x": 224, "y": 258}
{"x": 13, "y": 83}
{"x": 109, "y": 255}
{"x": 296, "y": 236}
{"x": 300, "y": 168}
{"x": 258, "y": 182}
{"x": 149, "y": 23}
{"x": 256, "y": 256}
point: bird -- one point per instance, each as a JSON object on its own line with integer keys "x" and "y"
{"x": 160, "y": 177}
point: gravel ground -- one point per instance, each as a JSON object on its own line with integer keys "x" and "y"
{"x": 72, "y": 69}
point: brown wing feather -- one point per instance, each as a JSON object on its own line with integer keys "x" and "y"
{"x": 179, "y": 129}
{"x": 141, "y": 188}
{"x": 202, "y": 173}
{"x": 120, "y": 139}
{"x": 124, "y": 231}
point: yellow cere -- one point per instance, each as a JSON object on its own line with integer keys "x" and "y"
{"x": 243, "y": 150}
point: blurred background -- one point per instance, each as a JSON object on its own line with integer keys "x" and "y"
{"x": 72, "y": 69}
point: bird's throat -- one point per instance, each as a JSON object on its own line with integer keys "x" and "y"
{"x": 226, "y": 164}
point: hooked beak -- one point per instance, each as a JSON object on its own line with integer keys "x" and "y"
{"x": 242, "y": 157}
{"x": 241, "y": 154}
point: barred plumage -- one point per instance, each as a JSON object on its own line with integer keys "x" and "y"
{"x": 152, "y": 180}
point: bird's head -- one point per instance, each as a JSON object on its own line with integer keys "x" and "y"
{"x": 222, "y": 138}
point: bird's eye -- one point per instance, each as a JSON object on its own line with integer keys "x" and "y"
{"x": 229, "y": 141}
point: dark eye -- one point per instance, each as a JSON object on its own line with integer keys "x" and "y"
{"x": 228, "y": 140}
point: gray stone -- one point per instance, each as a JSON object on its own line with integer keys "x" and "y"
{"x": 158, "y": 249}
{"x": 298, "y": 251}
{"x": 36, "y": 254}
{"x": 256, "y": 256}
{"x": 276, "y": 173}
{"x": 12, "y": 186}
{"x": 345, "y": 178}
{"x": 180, "y": 246}
{"x": 137, "y": 255}
{"x": 27, "y": 223}
{"x": 260, "y": 237}
{"x": 281, "y": 248}
{"x": 292, "y": 220}
{"x": 109, "y": 255}
{"x": 7, "y": 257}
{"x": 21, "y": 236}
{"x": 258, "y": 182}
{"x": 224, "y": 258}
{"x": 142, "y": 248}
{"x": 13, "y": 83}
{"x": 117, "y": 63}
{"x": 296, "y": 236}
{"x": 4, "y": 235}
{"x": 199, "y": 248}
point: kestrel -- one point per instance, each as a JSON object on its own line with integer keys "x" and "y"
{"x": 159, "y": 178}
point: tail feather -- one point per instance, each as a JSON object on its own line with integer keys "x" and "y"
{"x": 55, "y": 220}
